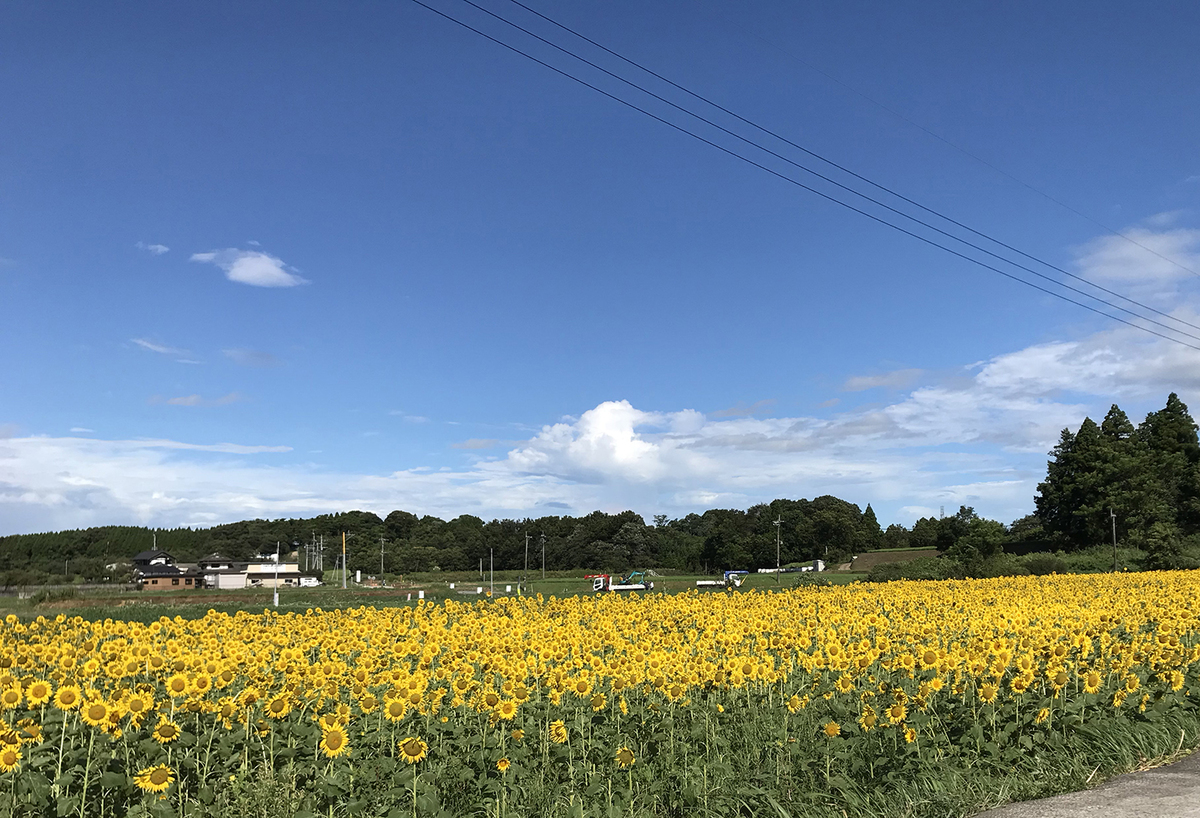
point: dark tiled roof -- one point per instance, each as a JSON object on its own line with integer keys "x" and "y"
{"x": 153, "y": 553}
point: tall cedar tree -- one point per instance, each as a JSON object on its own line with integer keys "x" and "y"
{"x": 1149, "y": 477}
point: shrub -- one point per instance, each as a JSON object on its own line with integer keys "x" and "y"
{"x": 1042, "y": 564}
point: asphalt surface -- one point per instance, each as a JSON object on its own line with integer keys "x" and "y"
{"x": 1164, "y": 792}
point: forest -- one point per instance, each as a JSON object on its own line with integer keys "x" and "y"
{"x": 1141, "y": 481}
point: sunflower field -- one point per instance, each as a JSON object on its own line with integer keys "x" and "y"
{"x": 907, "y": 698}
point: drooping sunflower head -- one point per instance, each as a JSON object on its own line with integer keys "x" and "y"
{"x": 558, "y": 732}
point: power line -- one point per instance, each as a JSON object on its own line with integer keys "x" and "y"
{"x": 946, "y": 141}
{"x": 842, "y": 168}
{"x": 827, "y": 196}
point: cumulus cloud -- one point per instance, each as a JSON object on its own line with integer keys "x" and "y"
{"x": 252, "y": 267}
{"x": 976, "y": 439}
{"x": 977, "y": 436}
{"x": 155, "y": 249}
{"x": 251, "y": 357}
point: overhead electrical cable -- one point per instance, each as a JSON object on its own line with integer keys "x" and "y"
{"x": 927, "y": 131}
{"x": 824, "y": 195}
{"x": 834, "y": 164}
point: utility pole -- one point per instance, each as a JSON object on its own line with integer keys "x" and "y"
{"x": 543, "y": 555}
{"x": 491, "y": 573}
{"x": 1113, "y": 515}
{"x": 778, "y": 523}
{"x": 526, "y": 553}
{"x": 277, "y": 573}
{"x": 381, "y": 559}
{"x": 343, "y": 559}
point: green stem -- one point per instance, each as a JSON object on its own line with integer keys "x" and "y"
{"x": 87, "y": 771}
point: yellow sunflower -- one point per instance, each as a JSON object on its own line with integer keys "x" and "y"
{"x": 412, "y": 749}
{"x": 38, "y": 693}
{"x": 154, "y": 779}
{"x": 334, "y": 741}
{"x": 94, "y": 712}
{"x": 394, "y": 709}
{"x": 11, "y": 697}
{"x": 68, "y": 697}
{"x": 503, "y": 764}
{"x": 279, "y": 706}
{"x": 558, "y": 732}
{"x": 625, "y": 758}
{"x": 10, "y": 758}
{"x": 177, "y": 686}
{"x": 868, "y": 719}
{"x": 165, "y": 731}
{"x": 832, "y": 729}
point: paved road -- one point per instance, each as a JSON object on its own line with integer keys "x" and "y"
{"x": 1164, "y": 792}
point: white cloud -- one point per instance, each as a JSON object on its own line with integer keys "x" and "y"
{"x": 198, "y": 400}
{"x": 1142, "y": 255}
{"x": 978, "y": 436}
{"x": 252, "y": 267}
{"x": 156, "y": 249}
{"x": 82, "y": 429}
{"x": 475, "y": 443}
{"x": 979, "y": 439}
{"x": 400, "y": 413}
{"x": 251, "y": 357}
{"x": 162, "y": 349}
{"x": 897, "y": 379}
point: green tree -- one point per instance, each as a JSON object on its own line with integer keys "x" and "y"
{"x": 1170, "y": 437}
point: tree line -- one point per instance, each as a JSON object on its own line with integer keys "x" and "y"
{"x": 1148, "y": 477}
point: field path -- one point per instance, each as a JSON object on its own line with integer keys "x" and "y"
{"x": 1172, "y": 791}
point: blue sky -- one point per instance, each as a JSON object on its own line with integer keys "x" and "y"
{"x": 282, "y": 259}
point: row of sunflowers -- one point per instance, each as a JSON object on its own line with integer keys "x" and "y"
{"x": 641, "y": 704}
